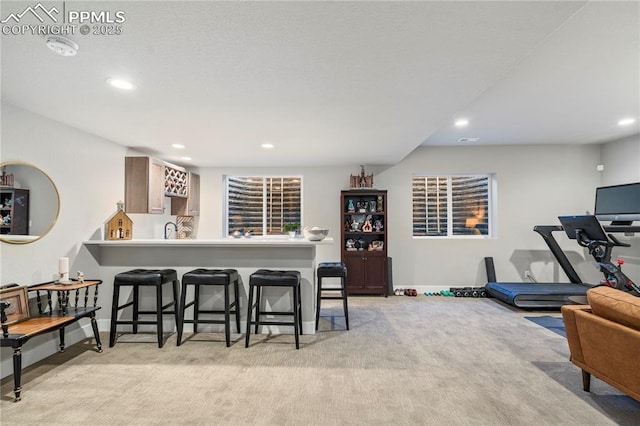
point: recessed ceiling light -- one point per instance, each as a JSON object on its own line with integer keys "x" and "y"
{"x": 461, "y": 122}
{"x": 468, "y": 139}
{"x": 626, "y": 121}
{"x": 267, "y": 145}
{"x": 177, "y": 145}
{"x": 186, "y": 158}
{"x": 119, "y": 83}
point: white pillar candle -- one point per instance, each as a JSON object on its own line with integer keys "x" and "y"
{"x": 63, "y": 265}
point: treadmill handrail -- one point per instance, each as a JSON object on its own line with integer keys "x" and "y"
{"x": 545, "y": 232}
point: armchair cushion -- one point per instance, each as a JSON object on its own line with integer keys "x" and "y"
{"x": 615, "y": 305}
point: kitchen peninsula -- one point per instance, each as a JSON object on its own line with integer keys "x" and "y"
{"x": 246, "y": 255}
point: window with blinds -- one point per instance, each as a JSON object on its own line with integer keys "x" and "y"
{"x": 445, "y": 206}
{"x": 262, "y": 204}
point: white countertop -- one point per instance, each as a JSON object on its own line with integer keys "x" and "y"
{"x": 19, "y": 238}
{"x": 253, "y": 241}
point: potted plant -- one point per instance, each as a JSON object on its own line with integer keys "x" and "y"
{"x": 291, "y": 229}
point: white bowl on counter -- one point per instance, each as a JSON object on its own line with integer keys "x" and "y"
{"x": 315, "y": 234}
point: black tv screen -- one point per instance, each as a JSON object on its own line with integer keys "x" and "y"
{"x": 618, "y": 203}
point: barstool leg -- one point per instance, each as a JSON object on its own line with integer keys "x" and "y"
{"x": 236, "y": 291}
{"x": 296, "y": 315}
{"x": 344, "y": 301}
{"x": 135, "y": 309}
{"x": 300, "y": 309}
{"x": 227, "y": 331}
{"x": 183, "y": 302}
{"x": 258, "y": 299}
{"x": 249, "y": 314}
{"x": 318, "y": 301}
{"x": 114, "y": 315}
{"x": 159, "y": 315}
{"x": 196, "y": 307}
{"x": 176, "y": 312}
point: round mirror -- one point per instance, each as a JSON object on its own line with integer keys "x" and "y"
{"x": 29, "y": 203}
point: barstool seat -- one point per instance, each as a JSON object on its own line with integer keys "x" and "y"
{"x": 270, "y": 278}
{"x": 210, "y": 277}
{"x": 137, "y": 278}
{"x": 332, "y": 270}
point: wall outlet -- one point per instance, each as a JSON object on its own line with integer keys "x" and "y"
{"x": 528, "y": 275}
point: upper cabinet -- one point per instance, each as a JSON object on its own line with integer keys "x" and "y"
{"x": 144, "y": 185}
{"x": 149, "y": 180}
{"x": 189, "y": 206}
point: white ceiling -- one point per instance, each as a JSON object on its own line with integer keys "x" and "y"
{"x": 334, "y": 83}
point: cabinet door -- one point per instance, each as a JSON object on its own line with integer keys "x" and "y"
{"x": 194, "y": 194}
{"x": 156, "y": 186}
{"x": 144, "y": 185}
{"x": 375, "y": 273}
{"x": 189, "y": 206}
{"x": 355, "y": 272}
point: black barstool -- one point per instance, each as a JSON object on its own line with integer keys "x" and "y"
{"x": 209, "y": 277}
{"x": 332, "y": 270}
{"x": 137, "y": 278}
{"x": 269, "y": 278}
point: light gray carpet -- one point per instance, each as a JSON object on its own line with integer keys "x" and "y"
{"x": 405, "y": 361}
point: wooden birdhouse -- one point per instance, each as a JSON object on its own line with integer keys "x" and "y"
{"x": 119, "y": 226}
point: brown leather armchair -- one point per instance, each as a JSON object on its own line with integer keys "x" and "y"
{"x": 604, "y": 338}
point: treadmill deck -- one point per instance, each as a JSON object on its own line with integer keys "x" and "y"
{"x": 536, "y": 295}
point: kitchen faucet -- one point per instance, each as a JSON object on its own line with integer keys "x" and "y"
{"x": 166, "y": 237}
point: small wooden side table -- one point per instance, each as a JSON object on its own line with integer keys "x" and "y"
{"x": 63, "y": 292}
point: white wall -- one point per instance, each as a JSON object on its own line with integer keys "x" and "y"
{"x": 89, "y": 174}
{"x": 621, "y": 161}
{"x": 535, "y": 185}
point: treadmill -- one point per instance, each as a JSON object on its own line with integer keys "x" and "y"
{"x": 538, "y": 295}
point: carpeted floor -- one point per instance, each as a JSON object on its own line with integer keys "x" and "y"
{"x": 405, "y": 361}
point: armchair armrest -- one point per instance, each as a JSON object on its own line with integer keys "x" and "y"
{"x": 569, "y": 318}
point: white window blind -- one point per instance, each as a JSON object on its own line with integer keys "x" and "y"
{"x": 451, "y": 205}
{"x": 262, "y": 205}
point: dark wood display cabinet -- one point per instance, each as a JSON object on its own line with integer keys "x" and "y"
{"x": 14, "y": 211}
{"x": 364, "y": 240}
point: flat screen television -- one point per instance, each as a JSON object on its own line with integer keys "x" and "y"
{"x": 618, "y": 203}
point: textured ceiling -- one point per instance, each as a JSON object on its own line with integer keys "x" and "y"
{"x": 334, "y": 83}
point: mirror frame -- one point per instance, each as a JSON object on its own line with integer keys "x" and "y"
{"x": 55, "y": 188}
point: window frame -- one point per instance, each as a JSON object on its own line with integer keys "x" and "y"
{"x": 265, "y": 179}
{"x": 491, "y": 206}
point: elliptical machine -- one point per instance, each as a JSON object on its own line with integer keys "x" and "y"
{"x": 588, "y": 232}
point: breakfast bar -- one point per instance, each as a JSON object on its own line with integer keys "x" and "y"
{"x": 246, "y": 255}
